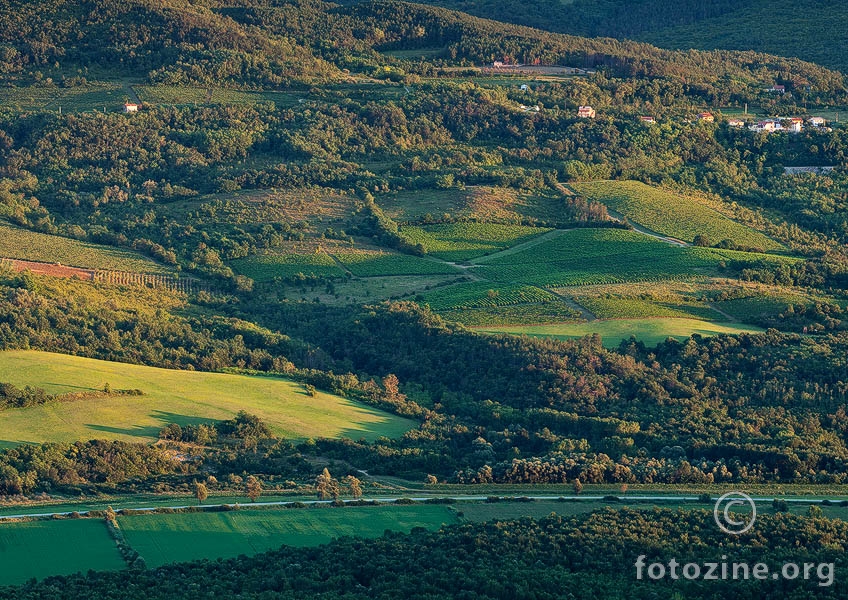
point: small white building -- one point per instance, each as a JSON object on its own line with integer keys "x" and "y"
{"x": 131, "y": 107}
{"x": 586, "y": 112}
{"x": 816, "y": 122}
{"x": 766, "y": 126}
{"x": 733, "y": 122}
{"x": 796, "y": 125}
{"x": 647, "y": 119}
{"x": 777, "y": 89}
{"x": 524, "y": 87}
{"x": 706, "y": 117}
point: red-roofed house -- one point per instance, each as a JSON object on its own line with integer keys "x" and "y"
{"x": 707, "y": 117}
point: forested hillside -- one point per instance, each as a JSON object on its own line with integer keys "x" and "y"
{"x": 807, "y": 30}
{"x": 413, "y": 271}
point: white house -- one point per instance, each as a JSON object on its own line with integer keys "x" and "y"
{"x": 816, "y": 122}
{"x": 131, "y": 107}
{"x": 647, "y": 119}
{"x": 733, "y": 122}
{"x": 778, "y": 89}
{"x": 707, "y": 117}
{"x": 524, "y": 87}
{"x": 796, "y": 125}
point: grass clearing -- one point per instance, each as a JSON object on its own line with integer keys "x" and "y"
{"x": 672, "y": 214}
{"x": 649, "y": 331}
{"x": 519, "y": 314}
{"x": 40, "y": 549}
{"x": 165, "y": 539}
{"x": 483, "y": 294}
{"x": 85, "y": 98}
{"x": 170, "y": 396}
{"x": 23, "y": 244}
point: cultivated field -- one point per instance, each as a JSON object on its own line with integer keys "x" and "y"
{"x": 483, "y": 294}
{"x": 94, "y": 96}
{"x": 619, "y": 308}
{"x": 164, "y": 539}
{"x": 173, "y": 94}
{"x": 671, "y": 214}
{"x": 23, "y": 244}
{"x": 265, "y": 267}
{"x": 377, "y": 264}
{"x": 463, "y": 241}
{"x": 170, "y": 396}
{"x": 612, "y": 332}
{"x": 42, "y": 548}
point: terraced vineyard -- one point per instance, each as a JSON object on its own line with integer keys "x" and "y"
{"x": 483, "y": 294}
{"x": 176, "y": 94}
{"x": 463, "y": 241}
{"x": 265, "y": 267}
{"x": 364, "y": 264}
{"x": 621, "y": 308}
{"x": 597, "y": 256}
{"x": 23, "y": 244}
{"x": 671, "y": 214}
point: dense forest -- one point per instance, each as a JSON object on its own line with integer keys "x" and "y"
{"x": 765, "y": 25}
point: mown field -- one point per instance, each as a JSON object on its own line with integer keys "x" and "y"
{"x": 42, "y": 548}
{"x": 170, "y": 396}
{"x": 164, "y": 539}
{"x": 463, "y": 241}
{"x": 649, "y": 331}
{"x": 23, "y": 244}
{"x": 671, "y": 214}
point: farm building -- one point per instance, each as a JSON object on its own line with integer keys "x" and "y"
{"x": 524, "y": 87}
{"x": 586, "y": 112}
{"x": 645, "y": 119}
{"x": 707, "y": 117}
{"x": 816, "y": 122}
{"x": 777, "y": 89}
{"x": 131, "y": 107}
{"x": 735, "y": 123}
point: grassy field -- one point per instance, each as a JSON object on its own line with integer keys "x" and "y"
{"x": 671, "y": 214}
{"x": 170, "y": 396}
{"x": 42, "y": 548}
{"x": 463, "y": 241}
{"x": 163, "y": 539}
{"x": 371, "y": 264}
{"x": 265, "y": 267}
{"x": 23, "y": 244}
{"x": 649, "y": 331}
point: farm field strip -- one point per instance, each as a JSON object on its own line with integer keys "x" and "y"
{"x": 650, "y": 331}
{"x": 38, "y": 549}
{"x": 164, "y": 539}
{"x": 265, "y": 267}
{"x": 384, "y": 264}
{"x": 463, "y": 241}
{"x": 170, "y": 396}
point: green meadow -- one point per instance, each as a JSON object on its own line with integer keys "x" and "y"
{"x": 170, "y": 396}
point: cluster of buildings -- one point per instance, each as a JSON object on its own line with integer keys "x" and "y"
{"x": 791, "y": 125}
